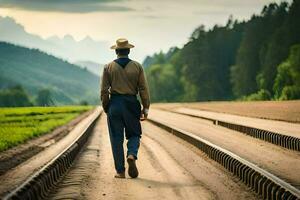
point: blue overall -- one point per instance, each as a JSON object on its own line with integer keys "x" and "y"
{"x": 124, "y": 113}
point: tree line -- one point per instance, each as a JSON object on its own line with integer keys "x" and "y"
{"x": 258, "y": 59}
{"x": 16, "y": 96}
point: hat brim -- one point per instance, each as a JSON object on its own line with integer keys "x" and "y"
{"x": 128, "y": 46}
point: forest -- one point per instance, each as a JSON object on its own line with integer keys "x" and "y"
{"x": 258, "y": 59}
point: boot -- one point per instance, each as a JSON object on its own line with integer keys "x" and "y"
{"x": 120, "y": 175}
{"x": 132, "y": 169}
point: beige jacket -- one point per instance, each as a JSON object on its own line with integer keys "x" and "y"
{"x": 129, "y": 80}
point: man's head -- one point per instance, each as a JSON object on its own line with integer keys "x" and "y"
{"x": 122, "y": 52}
{"x": 122, "y": 47}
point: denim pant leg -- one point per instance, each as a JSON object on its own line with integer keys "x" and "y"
{"x": 116, "y": 134}
{"x": 133, "y": 145}
{"x": 132, "y": 126}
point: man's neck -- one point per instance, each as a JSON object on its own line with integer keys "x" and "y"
{"x": 122, "y": 56}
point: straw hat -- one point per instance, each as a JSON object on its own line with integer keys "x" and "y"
{"x": 122, "y": 43}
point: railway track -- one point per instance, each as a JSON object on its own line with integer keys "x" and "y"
{"x": 262, "y": 182}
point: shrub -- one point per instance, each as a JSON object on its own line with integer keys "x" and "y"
{"x": 261, "y": 95}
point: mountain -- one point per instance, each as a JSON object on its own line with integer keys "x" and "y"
{"x": 35, "y": 70}
{"x": 96, "y": 68}
{"x": 67, "y": 47}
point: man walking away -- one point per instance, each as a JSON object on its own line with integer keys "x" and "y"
{"x": 122, "y": 80}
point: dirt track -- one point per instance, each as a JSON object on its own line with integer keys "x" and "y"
{"x": 275, "y": 159}
{"x": 285, "y": 128}
{"x": 278, "y": 110}
{"x": 169, "y": 169}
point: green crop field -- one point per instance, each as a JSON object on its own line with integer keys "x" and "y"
{"x": 20, "y": 124}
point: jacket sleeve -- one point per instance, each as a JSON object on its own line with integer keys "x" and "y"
{"x": 143, "y": 89}
{"x": 105, "y": 86}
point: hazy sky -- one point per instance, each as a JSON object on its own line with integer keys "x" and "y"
{"x": 151, "y": 25}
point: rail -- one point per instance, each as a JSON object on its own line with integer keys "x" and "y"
{"x": 40, "y": 183}
{"x": 279, "y": 139}
{"x": 262, "y": 182}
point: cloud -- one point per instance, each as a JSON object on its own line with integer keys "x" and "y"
{"x": 152, "y": 16}
{"x": 69, "y": 6}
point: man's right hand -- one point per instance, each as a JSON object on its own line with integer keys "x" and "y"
{"x": 145, "y": 112}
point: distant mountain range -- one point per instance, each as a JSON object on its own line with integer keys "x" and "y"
{"x": 66, "y": 48}
{"x": 35, "y": 70}
{"x": 96, "y": 68}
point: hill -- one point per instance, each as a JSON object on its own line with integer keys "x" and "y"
{"x": 96, "y": 68}
{"x": 35, "y": 70}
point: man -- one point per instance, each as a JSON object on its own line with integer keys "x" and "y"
{"x": 122, "y": 80}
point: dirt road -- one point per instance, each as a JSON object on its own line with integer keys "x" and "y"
{"x": 277, "y": 160}
{"x": 278, "y": 110}
{"x": 169, "y": 169}
{"x": 285, "y": 128}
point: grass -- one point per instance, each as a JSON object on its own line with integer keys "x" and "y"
{"x": 17, "y": 125}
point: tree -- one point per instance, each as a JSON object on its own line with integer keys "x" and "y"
{"x": 237, "y": 61}
{"x": 44, "y": 98}
{"x": 84, "y": 103}
{"x": 207, "y": 59}
{"x": 287, "y": 82}
{"x": 275, "y": 47}
{"x": 14, "y": 97}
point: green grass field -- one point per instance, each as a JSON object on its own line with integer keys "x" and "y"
{"x": 20, "y": 124}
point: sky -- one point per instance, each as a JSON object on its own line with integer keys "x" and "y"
{"x": 151, "y": 25}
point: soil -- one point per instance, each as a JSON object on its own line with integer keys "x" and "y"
{"x": 281, "y": 127}
{"x": 277, "y": 110}
{"x": 277, "y": 160}
{"x": 169, "y": 168}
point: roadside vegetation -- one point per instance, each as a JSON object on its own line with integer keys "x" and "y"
{"x": 20, "y": 124}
